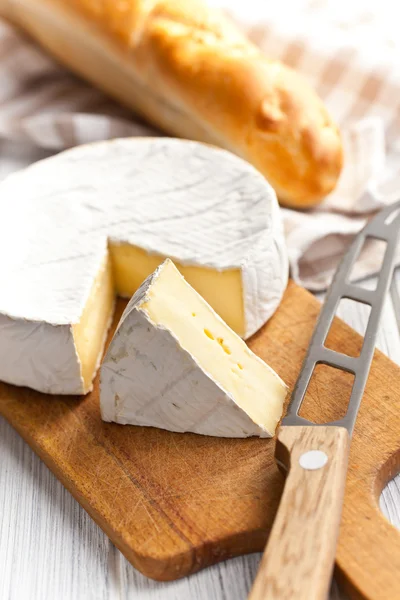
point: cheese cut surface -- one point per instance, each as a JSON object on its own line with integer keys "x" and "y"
{"x": 90, "y": 333}
{"x": 95, "y": 221}
{"x": 174, "y": 364}
{"x": 223, "y": 289}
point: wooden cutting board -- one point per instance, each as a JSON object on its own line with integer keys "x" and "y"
{"x": 176, "y": 503}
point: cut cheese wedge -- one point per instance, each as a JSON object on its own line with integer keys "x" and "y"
{"x": 95, "y": 221}
{"x": 173, "y": 363}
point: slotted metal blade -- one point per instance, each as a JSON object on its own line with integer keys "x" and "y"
{"x": 384, "y": 226}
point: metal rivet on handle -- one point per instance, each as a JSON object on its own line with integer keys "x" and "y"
{"x": 313, "y": 460}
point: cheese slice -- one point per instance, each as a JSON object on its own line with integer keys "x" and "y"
{"x": 80, "y": 227}
{"x": 173, "y": 363}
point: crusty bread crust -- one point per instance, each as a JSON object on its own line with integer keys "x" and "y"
{"x": 187, "y": 69}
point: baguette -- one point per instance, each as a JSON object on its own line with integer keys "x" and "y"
{"x": 187, "y": 69}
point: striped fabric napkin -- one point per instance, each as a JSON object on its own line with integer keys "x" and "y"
{"x": 353, "y": 63}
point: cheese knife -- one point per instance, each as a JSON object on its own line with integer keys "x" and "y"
{"x": 299, "y": 557}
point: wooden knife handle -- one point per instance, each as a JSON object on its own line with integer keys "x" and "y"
{"x": 299, "y": 557}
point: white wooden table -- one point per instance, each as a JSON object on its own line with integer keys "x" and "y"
{"x": 50, "y": 549}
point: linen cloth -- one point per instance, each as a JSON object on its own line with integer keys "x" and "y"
{"x": 349, "y": 52}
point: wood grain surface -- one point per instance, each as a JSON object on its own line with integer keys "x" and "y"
{"x": 176, "y": 503}
{"x": 300, "y": 553}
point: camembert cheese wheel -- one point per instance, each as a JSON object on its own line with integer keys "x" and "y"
{"x": 80, "y": 227}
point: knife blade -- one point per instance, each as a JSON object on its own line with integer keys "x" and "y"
{"x": 300, "y": 553}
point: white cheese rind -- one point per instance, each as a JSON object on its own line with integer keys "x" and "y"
{"x": 28, "y": 348}
{"x": 198, "y": 205}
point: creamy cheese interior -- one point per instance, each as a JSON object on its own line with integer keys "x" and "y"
{"x": 91, "y": 331}
{"x": 254, "y": 386}
{"x": 122, "y": 273}
{"x": 222, "y": 289}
